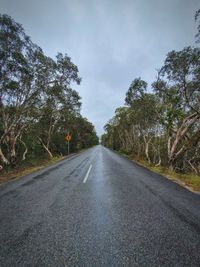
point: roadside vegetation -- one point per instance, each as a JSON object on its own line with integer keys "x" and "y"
{"x": 26, "y": 167}
{"x": 159, "y": 126}
{"x": 38, "y": 106}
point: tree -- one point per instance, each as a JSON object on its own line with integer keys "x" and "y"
{"x": 136, "y": 90}
{"x": 29, "y": 82}
{"x": 56, "y": 113}
{"x": 134, "y": 127}
{"x": 162, "y": 127}
{"x": 178, "y": 87}
{"x": 144, "y": 114}
{"x": 197, "y": 19}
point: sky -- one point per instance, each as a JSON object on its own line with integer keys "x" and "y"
{"x": 111, "y": 41}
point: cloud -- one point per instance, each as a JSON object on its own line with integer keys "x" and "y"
{"x": 112, "y": 42}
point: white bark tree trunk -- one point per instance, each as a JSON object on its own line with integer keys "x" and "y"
{"x": 3, "y": 158}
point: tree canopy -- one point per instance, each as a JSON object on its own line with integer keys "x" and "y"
{"x": 38, "y": 105}
{"x": 162, "y": 127}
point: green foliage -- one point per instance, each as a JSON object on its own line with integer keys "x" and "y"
{"x": 135, "y": 91}
{"x": 197, "y": 19}
{"x": 162, "y": 127}
{"x": 38, "y": 107}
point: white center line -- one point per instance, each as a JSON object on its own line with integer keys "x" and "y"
{"x": 87, "y": 174}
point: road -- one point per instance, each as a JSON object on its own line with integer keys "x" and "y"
{"x": 98, "y": 208}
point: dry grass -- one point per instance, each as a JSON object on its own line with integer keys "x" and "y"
{"x": 30, "y": 167}
{"x": 190, "y": 181}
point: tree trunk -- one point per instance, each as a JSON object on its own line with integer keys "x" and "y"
{"x": 192, "y": 167}
{"x": 11, "y": 151}
{"x": 25, "y": 151}
{"x": 171, "y": 166}
{"x": 179, "y": 135}
{"x": 47, "y": 150}
{"x": 147, "y": 149}
{"x": 3, "y": 158}
{"x": 147, "y": 152}
{"x": 159, "y": 162}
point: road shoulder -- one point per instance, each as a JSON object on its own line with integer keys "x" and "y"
{"x": 19, "y": 173}
{"x": 189, "y": 181}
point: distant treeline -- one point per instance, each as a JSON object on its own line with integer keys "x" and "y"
{"x": 38, "y": 107}
{"x": 163, "y": 126}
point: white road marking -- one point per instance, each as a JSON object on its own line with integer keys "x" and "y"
{"x": 87, "y": 174}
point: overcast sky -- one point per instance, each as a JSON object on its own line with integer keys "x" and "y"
{"x": 111, "y": 41}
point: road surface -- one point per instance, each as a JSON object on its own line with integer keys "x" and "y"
{"x": 98, "y": 209}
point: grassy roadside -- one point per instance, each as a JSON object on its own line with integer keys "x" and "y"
{"x": 31, "y": 166}
{"x": 190, "y": 181}
{"x": 26, "y": 168}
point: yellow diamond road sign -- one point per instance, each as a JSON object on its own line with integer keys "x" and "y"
{"x": 68, "y": 137}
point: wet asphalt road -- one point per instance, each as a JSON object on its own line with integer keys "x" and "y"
{"x": 118, "y": 214}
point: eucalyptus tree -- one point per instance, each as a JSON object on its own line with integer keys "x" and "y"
{"x": 197, "y": 20}
{"x": 122, "y": 126}
{"x": 18, "y": 59}
{"x": 28, "y": 80}
{"x": 111, "y": 136}
{"x": 58, "y": 114}
{"x": 178, "y": 87}
{"x": 87, "y": 136}
{"x": 143, "y": 114}
{"x": 162, "y": 127}
{"x": 134, "y": 128}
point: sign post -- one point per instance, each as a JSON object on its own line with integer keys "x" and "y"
{"x": 68, "y": 137}
{"x": 68, "y": 148}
